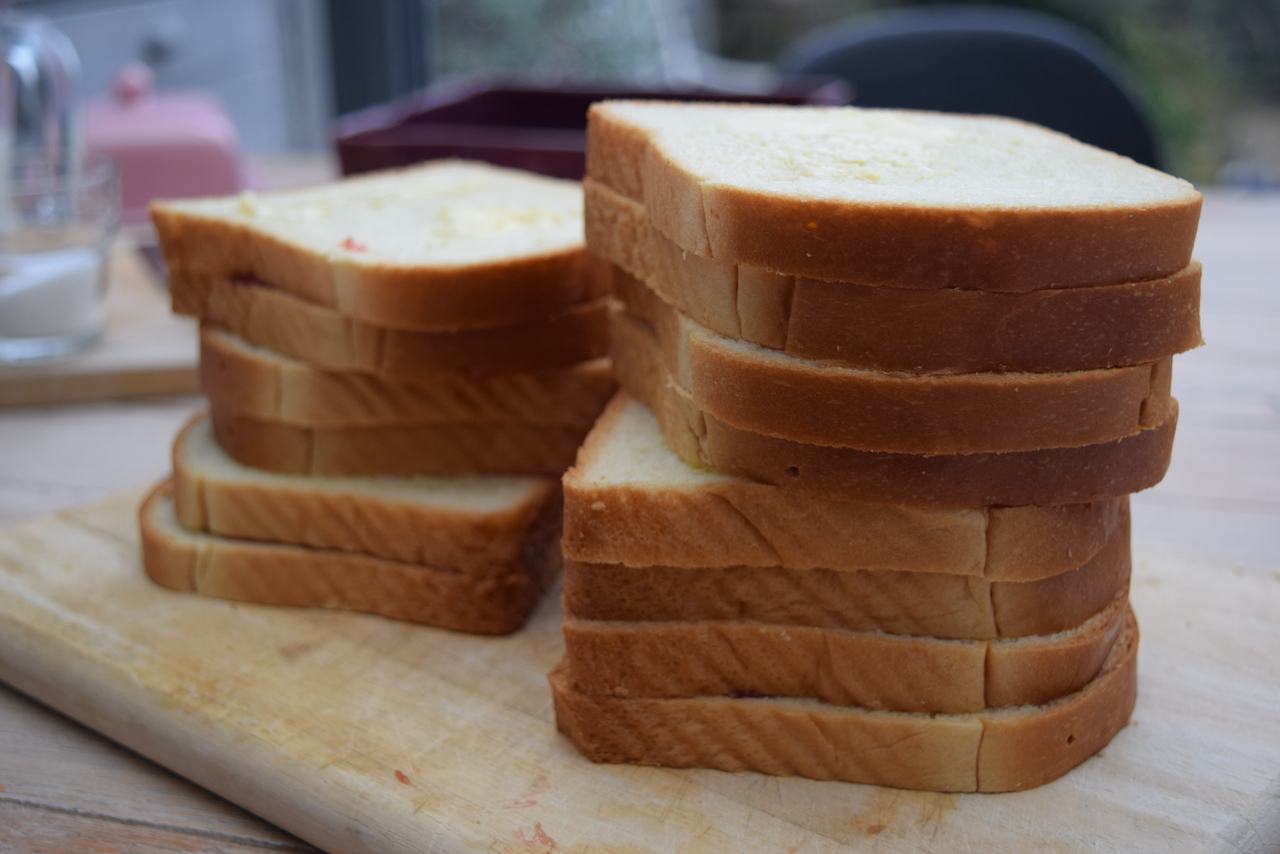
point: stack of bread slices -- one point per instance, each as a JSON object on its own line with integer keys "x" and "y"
{"x": 861, "y": 509}
{"x": 399, "y": 367}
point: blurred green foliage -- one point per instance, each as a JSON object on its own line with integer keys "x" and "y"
{"x": 1198, "y": 64}
{"x": 548, "y": 38}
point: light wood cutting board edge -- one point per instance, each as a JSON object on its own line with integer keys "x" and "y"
{"x": 1199, "y": 769}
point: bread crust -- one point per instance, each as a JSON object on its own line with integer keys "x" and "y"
{"x": 763, "y": 391}
{"x": 630, "y": 499}
{"x": 982, "y": 243}
{"x": 277, "y": 320}
{"x": 448, "y": 449}
{"x": 929, "y": 331}
{"x": 996, "y": 750}
{"x": 907, "y": 603}
{"x": 252, "y": 381}
{"x": 548, "y": 268}
{"x": 273, "y": 574}
{"x": 478, "y": 526}
{"x": 1039, "y": 477}
{"x": 905, "y": 673}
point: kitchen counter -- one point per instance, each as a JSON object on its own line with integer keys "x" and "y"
{"x": 65, "y": 788}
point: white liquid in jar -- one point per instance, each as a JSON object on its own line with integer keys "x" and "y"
{"x": 50, "y": 293}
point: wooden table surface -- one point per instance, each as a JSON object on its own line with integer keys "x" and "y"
{"x": 64, "y": 788}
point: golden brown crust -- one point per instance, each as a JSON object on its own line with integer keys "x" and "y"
{"x": 760, "y": 390}
{"x": 1015, "y": 756}
{"x": 1042, "y": 477}
{"x": 421, "y": 522}
{"x": 451, "y": 448}
{"x": 781, "y": 737}
{"x": 272, "y": 574}
{"x": 935, "y": 331}
{"x": 1026, "y": 543}
{"x": 1014, "y": 251}
{"x": 1058, "y": 601}
{"x": 629, "y": 499}
{"x": 990, "y": 751}
{"x": 277, "y": 320}
{"x": 266, "y": 386}
{"x": 869, "y": 669}
{"x": 911, "y": 603}
{"x": 900, "y": 244}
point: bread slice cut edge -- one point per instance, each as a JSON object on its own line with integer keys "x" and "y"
{"x": 630, "y": 499}
{"x": 869, "y": 669}
{"x": 259, "y": 383}
{"x": 491, "y": 447}
{"x": 1039, "y": 477}
{"x": 995, "y": 750}
{"x": 478, "y": 525}
{"x": 904, "y": 603}
{"x": 765, "y": 391}
{"x": 931, "y": 331}
{"x": 292, "y": 326}
{"x": 297, "y": 576}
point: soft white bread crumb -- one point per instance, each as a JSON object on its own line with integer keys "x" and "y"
{"x": 894, "y": 156}
{"x": 445, "y": 214}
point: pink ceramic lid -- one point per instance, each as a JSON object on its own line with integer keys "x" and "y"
{"x": 166, "y": 145}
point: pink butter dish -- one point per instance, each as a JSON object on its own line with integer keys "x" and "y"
{"x": 164, "y": 144}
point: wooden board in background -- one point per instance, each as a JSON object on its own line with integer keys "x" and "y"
{"x": 361, "y": 734}
{"x": 145, "y": 350}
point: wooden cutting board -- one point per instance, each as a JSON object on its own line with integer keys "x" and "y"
{"x": 145, "y": 350}
{"x": 362, "y": 734}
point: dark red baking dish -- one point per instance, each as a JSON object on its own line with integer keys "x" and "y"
{"x": 541, "y": 129}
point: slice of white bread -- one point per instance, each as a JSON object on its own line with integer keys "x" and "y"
{"x": 909, "y": 603}
{"x": 1043, "y": 476}
{"x": 273, "y": 574}
{"x": 904, "y": 673}
{"x": 253, "y": 381}
{"x": 279, "y": 321}
{"x": 474, "y": 525}
{"x": 630, "y": 499}
{"x": 491, "y": 447}
{"x": 936, "y": 331}
{"x": 995, "y": 750}
{"x": 765, "y": 391}
{"x": 443, "y": 245}
{"x": 891, "y": 197}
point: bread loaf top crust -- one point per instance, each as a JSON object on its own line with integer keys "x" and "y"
{"x": 893, "y": 197}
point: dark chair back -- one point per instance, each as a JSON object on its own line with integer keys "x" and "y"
{"x": 984, "y": 59}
